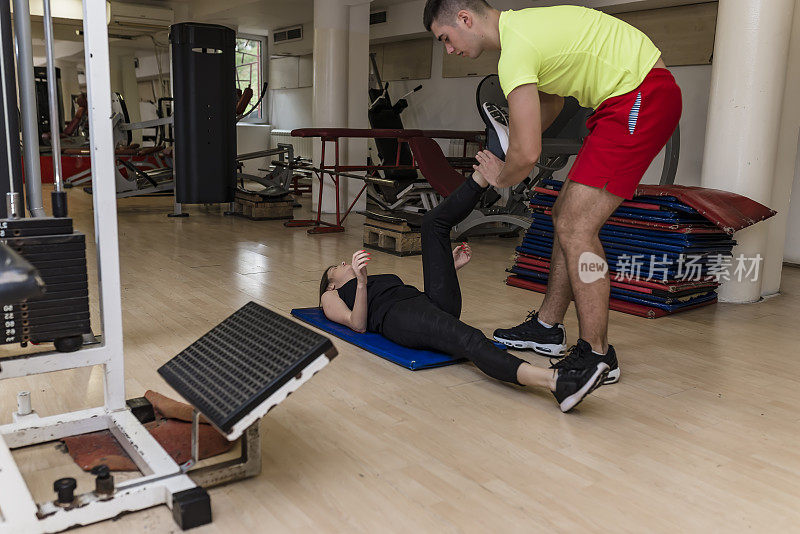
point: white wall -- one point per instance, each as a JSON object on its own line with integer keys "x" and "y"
{"x": 252, "y": 138}
{"x": 148, "y": 63}
{"x": 290, "y": 108}
{"x": 442, "y": 103}
{"x": 69, "y": 86}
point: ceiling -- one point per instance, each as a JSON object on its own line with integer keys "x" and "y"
{"x": 255, "y": 15}
{"x": 249, "y": 16}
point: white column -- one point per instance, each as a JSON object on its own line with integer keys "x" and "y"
{"x": 341, "y": 38}
{"x": 747, "y": 82}
{"x": 357, "y": 95}
{"x": 784, "y": 228}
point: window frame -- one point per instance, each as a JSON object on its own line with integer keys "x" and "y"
{"x": 264, "y": 66}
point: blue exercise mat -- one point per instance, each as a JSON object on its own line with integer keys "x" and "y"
{"x": 377, "y": 344}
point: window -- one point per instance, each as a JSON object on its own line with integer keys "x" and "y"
{"x": 249, "y": 57}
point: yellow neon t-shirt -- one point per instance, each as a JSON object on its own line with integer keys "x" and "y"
{"x": 573, "y": 51}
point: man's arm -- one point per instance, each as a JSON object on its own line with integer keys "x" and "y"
{"x": 525, "y": 135}
{"x": 524, "y": 143}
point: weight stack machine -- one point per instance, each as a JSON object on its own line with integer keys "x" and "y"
{"x": 204, "y": 92}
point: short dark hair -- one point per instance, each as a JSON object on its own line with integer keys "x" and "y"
{"x": 447, "y": 9}
{"x": 323, "y": 284}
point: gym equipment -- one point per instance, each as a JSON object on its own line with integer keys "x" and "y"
{"x": 445, "y": 179}
{"x": 27, "y": 95}
{"x": 11, "y": 159}
{"x": 204, "y": 88}
{"x": 138, "y": 170}
{"x": 384, "y": 115}
{"x": 246, "y": 365}
{"x": 18, "y": 279}
{"x": 163, "y": 481}
{"x": 47, "y": 317}
{"x": 277, "y": 182}
{"x": 375, "y": 343}
{"x": 40, "y": 76}
{"x": 58, "y": 196}
{"x": 417, "y": 197}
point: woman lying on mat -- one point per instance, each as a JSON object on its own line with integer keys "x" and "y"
{"x": 384, "y": 304}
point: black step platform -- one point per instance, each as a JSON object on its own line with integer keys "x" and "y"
{"x": 245, "y": 365}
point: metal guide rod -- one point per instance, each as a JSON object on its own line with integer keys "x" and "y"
{"x": 52, "y": 91}
{"x": 10, "y": 123}
{"x": 59, "y": 196}
{"x": 27, "y": 94}
{"x": 195, "y": 436}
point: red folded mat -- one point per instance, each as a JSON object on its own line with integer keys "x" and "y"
{"x": 728, "y": 211}
{"x": 642, "y": 310}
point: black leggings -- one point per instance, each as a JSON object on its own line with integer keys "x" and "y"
{"x": 430, "y": 320}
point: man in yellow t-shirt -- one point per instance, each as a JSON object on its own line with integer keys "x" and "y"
{"x": 546, "y": 54}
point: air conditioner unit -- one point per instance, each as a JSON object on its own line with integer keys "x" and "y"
{"x": 377, "y": 17}
{"x": 285, "y": 35}
{"x": 139, "y": 19}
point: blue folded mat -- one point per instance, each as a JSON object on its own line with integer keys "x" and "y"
{"x": 377, "y": 344}
{"x": 667, "y": 304}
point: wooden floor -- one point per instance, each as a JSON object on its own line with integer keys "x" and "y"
{"x": 700, "y": 435}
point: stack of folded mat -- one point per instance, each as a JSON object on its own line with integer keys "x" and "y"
{"x": 664, "y": 256}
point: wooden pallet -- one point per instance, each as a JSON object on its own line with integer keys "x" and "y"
{"x": 395, "y": 238}
{"x": 260, "y": 210}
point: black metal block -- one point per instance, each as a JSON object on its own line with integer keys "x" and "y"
{"x": 191, "y": 508}
{"x": 141, "y": 408}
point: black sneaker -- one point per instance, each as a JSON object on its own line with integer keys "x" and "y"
{"x": 581, "y": 356}
{"x": 532, "y": 335}
{"x": 572, "y": 385}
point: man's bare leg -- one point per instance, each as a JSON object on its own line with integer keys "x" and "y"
{"x": 559, "y": 292}
{"x": 578, "y": 215}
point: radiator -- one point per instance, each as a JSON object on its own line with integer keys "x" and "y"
{"x": 303, "y": 146}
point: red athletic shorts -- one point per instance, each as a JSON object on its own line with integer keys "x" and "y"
{"x": 626, "y": 133}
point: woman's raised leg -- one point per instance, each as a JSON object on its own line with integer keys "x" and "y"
{"x": 441, "y": 280}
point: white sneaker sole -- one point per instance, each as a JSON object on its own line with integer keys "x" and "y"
{"x": 590, "y": 385}
{"x": 612, "y": 377}
{"x": 543, "y": 349}
{"x": 501, "y": 129}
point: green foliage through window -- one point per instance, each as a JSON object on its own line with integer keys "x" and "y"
{"x": 248, "y": 70}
